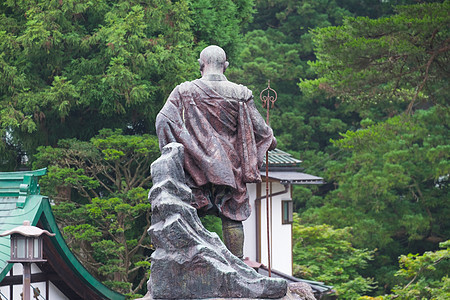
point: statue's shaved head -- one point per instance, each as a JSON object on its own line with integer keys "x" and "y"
{"x": 213, "y": 57}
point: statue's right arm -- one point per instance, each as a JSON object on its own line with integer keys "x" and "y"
{"x": 261, "y": 129}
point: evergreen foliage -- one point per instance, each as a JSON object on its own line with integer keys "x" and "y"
{"x": 422, "y": 276}
{"x": 100, "y": 191}
{"x": 397, "y": 59}
{"x": 390, "y": 181}
{"x": 71, "y": 68}
{"x": 326, "y": 254}
{"x": 426, "y": 275}
{"x": 362, "y": 100}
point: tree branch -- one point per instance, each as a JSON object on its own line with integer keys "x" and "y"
{"x": 420, "y": 271}
{"x": 143, "y": 235}
{"x": 103, "y": 184}
{"x": 141, "y": 283}
{"x": 427, "y": 69}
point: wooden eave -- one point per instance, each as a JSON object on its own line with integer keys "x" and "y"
{"x": 62, "y": 268}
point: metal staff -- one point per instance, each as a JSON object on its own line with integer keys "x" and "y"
{"x": 267, "y": 100}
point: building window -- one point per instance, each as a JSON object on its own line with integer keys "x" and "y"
{"x": 287, "y": 208}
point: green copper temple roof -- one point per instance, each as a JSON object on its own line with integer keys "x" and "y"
{"x": 20, "y": 200}
{"x": 279, "y": 158}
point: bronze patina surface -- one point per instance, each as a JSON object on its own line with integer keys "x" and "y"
{"x": 213, "y": 141}
{"x": 189, "y": 261}
{"x": 224, "y": 136}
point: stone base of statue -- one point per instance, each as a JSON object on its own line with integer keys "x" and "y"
{"x": 189, "y": 261}
{"x": 296, "y": 291}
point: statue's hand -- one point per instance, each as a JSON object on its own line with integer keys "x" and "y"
{"x": 274, "y": 144}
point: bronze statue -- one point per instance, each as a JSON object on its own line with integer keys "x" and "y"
{"x": 225, "y": 140}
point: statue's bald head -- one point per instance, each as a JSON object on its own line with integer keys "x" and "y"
{"x": 213, "y": 59}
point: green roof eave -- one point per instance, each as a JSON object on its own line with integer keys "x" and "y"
{"x": 20, "y": 174}
{"x": 41, "y": 211}
{"x": 21, "y": 184}
{"x": 279, "y": 158}
{"x": 11, "y": 217}
{"x": 50, "y": 223}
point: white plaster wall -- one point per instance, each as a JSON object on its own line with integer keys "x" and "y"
{"x": 250, "y": 246}
{"x": 54, "y": 293}
{"x": 35, "y": 269}
{"x": 281, "y": 234}
{"x": 17, "y": 269}
{"x": 4, "y": 292}
{"x": 42, "y": 288}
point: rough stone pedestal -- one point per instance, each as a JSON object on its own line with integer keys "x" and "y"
{"x": 296, "y": 291}
{"x": 190, "y": 262}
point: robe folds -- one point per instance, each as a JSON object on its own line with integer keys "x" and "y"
{"x": 225, "y": 140}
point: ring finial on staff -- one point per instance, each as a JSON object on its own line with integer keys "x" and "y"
{"x": 267, "y": 99}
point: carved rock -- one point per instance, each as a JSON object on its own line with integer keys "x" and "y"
{"x": 300, "y": 291}
{"x": 190, "y": 262}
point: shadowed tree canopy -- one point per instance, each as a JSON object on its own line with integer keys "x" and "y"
{"x": 71, "y": 68}
{"x": 402, "y": 59}
{"x": 391, "y": 177}
{"x": 100, "y": 192}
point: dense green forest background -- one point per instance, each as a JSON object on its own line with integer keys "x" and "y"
{"x": 363, "y": 101}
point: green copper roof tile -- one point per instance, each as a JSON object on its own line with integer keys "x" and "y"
{"x": 37, "y": 208}
{"x": 279, "y": 158}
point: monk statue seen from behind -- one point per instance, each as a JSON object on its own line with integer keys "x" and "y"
{"x": 224, "y": 138}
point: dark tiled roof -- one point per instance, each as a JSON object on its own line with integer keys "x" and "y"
{"x": 284, "y": 167}
{"x": 319, "y": 288}
{"x": 292, "y": 177}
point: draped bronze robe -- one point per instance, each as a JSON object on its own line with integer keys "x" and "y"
{"x": 225, "y": 140}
